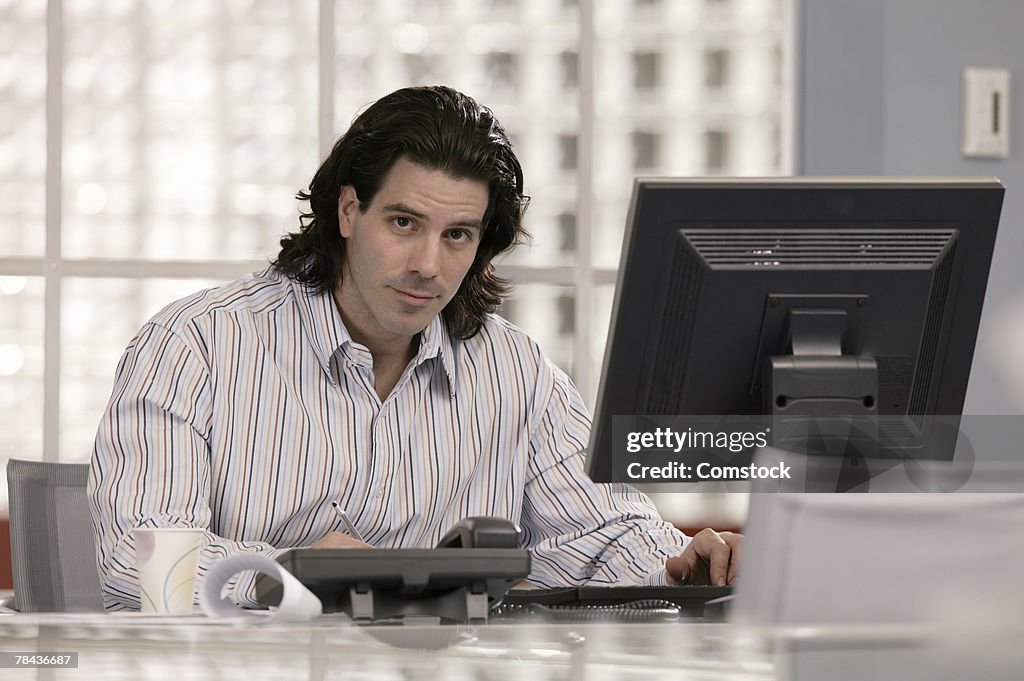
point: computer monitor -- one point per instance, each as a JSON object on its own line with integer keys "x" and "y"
{"x": 857, "y": 298}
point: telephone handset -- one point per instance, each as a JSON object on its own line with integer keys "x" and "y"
{"x": 481, "y": 532}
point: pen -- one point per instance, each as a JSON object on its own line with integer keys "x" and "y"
{"x": 349, "y": 527}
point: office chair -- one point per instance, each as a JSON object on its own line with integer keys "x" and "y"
{"x": 53, "y": 550}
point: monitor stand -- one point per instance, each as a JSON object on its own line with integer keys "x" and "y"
{"x": 822, "y": 402}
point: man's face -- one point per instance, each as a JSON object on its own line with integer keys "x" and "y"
{"x": 407, "y": 255}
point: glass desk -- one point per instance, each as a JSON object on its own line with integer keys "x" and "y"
{"x": 132, "y": 646}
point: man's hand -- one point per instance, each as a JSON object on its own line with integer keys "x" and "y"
{"x": 710, "y": 558}
{"x": 339, "y": 540}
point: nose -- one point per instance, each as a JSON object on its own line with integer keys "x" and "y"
{"x": 425, "y": 259}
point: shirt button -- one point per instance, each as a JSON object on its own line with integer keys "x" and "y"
{"x": 380, "y": 492}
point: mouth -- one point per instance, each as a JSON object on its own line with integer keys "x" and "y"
{"x": 414, "y": 297}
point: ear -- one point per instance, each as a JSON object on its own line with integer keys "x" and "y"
{"x": 348, "y": 206}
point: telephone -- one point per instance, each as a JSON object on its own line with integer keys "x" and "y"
{"x": 472, "y": 568}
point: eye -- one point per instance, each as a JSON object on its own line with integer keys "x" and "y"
{"x": 402, "y": 223}
{"x": 460, "y": 236}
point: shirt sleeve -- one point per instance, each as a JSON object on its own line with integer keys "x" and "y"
{"x": 151, "y": 464}
{"x": 579, "y": 531}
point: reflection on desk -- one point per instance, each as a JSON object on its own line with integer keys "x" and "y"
{"x": 131, "y": 646}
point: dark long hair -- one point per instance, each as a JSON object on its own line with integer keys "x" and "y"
{"x": 441, "y": 129}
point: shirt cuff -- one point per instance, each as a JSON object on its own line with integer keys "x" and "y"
{"x": 657, "y": 578}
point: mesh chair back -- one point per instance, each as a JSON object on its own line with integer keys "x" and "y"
{"x": 53, "y": 546}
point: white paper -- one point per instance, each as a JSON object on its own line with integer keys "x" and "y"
{"x": 298, "y": 604}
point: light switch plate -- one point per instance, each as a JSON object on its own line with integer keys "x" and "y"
{"x": 986, "y": 123}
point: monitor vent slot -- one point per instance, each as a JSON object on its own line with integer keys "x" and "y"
{"x": 795, "y": 248}
{"x": 678, "y": 311}
{"x": 931, "y": 335}
{"x": 897, "y": 430}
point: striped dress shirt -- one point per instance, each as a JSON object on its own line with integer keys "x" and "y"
{"x": 247, "y": 409}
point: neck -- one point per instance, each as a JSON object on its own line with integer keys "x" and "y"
{"x": 388, "y": 349}
{"x": 389, "y": 364}
{"x": 391, "y": 353}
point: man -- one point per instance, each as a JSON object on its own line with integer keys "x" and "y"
{"x": 366, "y": 367}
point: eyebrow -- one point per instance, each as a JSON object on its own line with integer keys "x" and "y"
{"x": 403, "y": 208}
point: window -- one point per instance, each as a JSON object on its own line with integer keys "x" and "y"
{"x": 716, "y": 68}
{"x": 566, "y": 314}
{"x": 716, "y": 150}
{"x": 645, "y": 150}
{"x": 646, "y": 70}
{"x": 187, "y": 128}
{"x": 567, "y": 232}
{"x": 502, "y": 69}
{"x": 570, "y": 66}
{"x": 568, "y": 152}
{"x": 421, "y": 68}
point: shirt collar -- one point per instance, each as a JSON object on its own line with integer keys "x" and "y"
{"x": 435, "y": 341}
{"x": 322, "y": 322}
